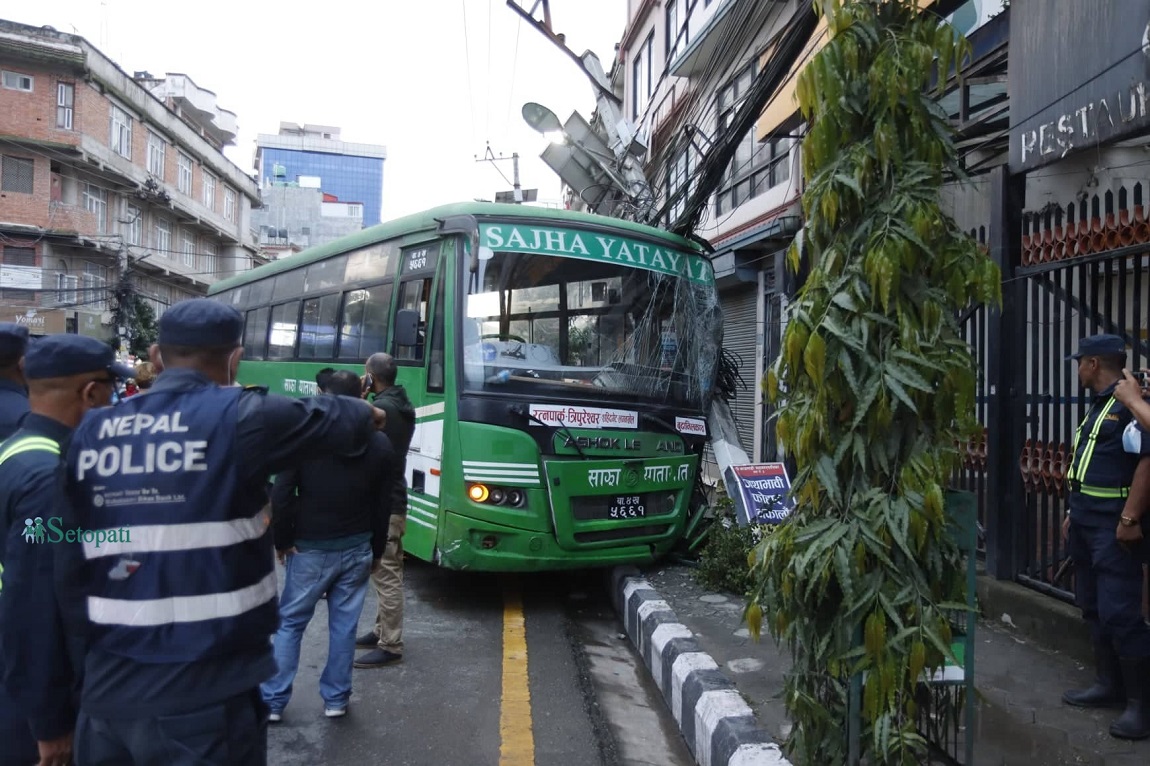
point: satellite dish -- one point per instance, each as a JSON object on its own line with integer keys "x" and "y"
{"x": 541, "y": 118}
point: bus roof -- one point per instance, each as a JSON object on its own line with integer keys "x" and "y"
{"x": 427, "y": 219}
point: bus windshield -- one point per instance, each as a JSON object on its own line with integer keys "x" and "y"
{"x": 566, "y": 327}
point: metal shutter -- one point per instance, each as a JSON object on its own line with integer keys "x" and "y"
{"x": 739, "y": 334}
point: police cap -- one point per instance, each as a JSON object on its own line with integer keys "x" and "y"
{"x": 13, "y": 339}
{"x": 61, "y": 356}
{"x": 201, "y": 323}
{"x": 1100, "y": 345}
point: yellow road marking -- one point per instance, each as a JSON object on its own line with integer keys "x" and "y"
{"x": 516, "y": 740}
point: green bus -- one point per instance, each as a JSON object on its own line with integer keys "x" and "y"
{"x": 560, "y": 363}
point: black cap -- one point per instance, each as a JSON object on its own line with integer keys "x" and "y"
{"x": 201, "y": 323}
{"x": 13, "y": 339}
{"x": 1100, "y": 345}
{"x": 60, "y": 356}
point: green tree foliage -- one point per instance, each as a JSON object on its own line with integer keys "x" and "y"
{"x": 876, "y": 388}
{"x": 141, "y": 326}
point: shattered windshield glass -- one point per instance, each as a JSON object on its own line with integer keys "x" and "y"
{"x": 566, "y": 327}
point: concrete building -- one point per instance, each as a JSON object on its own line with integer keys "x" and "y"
{"x": 109, "y": 183}
{"x": 314, "y": 156}
{"x": 296, "y": 216}
{"x": 684, "y": 70}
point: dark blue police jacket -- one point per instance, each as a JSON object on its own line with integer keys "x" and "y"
{"x": 13, "y": 407}
{"x": 173, "y": 582}
{"x": 37, "y": 676}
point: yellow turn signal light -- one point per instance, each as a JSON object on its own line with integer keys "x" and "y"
{"x": 478, "y": 493}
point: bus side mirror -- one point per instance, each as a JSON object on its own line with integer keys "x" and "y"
{"x": 406, "y": 327}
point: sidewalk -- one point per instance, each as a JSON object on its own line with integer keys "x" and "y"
{"x": 1020, "y": 717}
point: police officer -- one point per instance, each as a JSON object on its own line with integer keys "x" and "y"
{"x": 1109, "y": 489}
{"x": 67, "y": 375}
{"x": 178, "y": 601}
{"x": 13, "y": 391}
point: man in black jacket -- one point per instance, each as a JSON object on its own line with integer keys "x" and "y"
{"x": 329, "y": 521}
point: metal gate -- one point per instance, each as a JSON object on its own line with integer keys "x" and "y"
{"x": 1070, "y": 272}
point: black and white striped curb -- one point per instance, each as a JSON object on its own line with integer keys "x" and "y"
{"x": 718, "y": 725}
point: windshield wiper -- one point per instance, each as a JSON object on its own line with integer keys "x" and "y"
{"x": 524, "y": 412}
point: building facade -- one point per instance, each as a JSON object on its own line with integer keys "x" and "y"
{"x": 314, "y": 156}
{"x": 110, "y": 184}
{"x": 685, "y": 69}
{"x": 295, "y": 217}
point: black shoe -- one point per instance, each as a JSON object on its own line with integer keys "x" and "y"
{"x": 1107, "y": 690}
{"x": 377, "y": 658}
{"x": 1134, "y": 723}
{"x": 367, "y": 639}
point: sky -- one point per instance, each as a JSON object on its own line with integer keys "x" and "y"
{"x": 434, "y": 81}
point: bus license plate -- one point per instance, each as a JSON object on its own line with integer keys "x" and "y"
{"x": 627, "y": 507}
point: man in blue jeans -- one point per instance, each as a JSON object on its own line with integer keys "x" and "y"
{"x": 329, "y": 522}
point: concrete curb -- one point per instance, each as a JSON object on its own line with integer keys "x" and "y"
{"x": 716, "y": 722}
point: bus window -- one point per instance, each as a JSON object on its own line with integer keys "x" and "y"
{"x": 325, "y": 275}
{"x": 256, "y": 333}
{"x": 260, "y": 292}
{"x": 414, "y": 295}
{"x": 317, "y": 331}
{"x": 435, "y": 369}
{"x": 375, "y": 262}
{"x": 285, "y": 327}
{"x": 363, "y": 329}
{"x": 288, "y": 285}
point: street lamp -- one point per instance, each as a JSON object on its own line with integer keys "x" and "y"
{"x": 544, "y": 121}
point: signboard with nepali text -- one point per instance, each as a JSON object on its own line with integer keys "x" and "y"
{"x": 764, "y": 495}
{"x": 592, "y": 246}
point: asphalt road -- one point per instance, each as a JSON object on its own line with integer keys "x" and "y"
{"x": 582, "y": 695}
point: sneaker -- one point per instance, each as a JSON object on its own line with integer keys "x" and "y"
{"x": 367, "y": 639}
{"x": 377, "y": 658}
{"x": 275, "y": 716}
{"x": 335, "y": 712}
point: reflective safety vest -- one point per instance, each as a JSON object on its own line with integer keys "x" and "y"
{"x": 191, "y": 574}
{"x": 1077, "y": 471}
{"x": 19, "y": 446}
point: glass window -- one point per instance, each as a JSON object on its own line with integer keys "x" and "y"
{"x": 318, "y": 329}
{"x": 435, "y": 371}
{"x": 121, "y": 138}
{"x": 184, "y": 179}
{"x": 325, "y": 274}
{"x": 414, "y": 295}
{"x": 260, "y": 292}
{"x": 375, "y": 262}
{"x": 256, "y": 333}
{"x": 288, "y": 284}
{"x": 618, "y": 332}
{"x": 155, "y": 154}
{"x": 285, "y": 327}
{"x": 65, "y": 99}
{"x": 363, "y": 330}
{"x": 210, "y": 191}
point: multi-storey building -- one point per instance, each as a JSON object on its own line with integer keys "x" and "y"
{"x": 109, "y": 183}
{"x": 685, "y": 69}
{"x": 297, "y": 215}
{"x": 315, "y": 156}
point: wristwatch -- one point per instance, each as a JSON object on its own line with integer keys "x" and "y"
{"x": 1126, "y": 521}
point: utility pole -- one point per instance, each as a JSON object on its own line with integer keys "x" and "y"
{"x": 517, "y": 194}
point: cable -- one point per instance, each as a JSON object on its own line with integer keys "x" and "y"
{"x": 487, "y": 101}
{"x": 467, "y": 53}
{"x": 514, "y": 71}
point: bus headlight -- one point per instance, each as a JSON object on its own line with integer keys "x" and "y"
{"x": 515, "y": 497}
{"x": 503, "y": 496}
{"x": 479, "y": 493}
